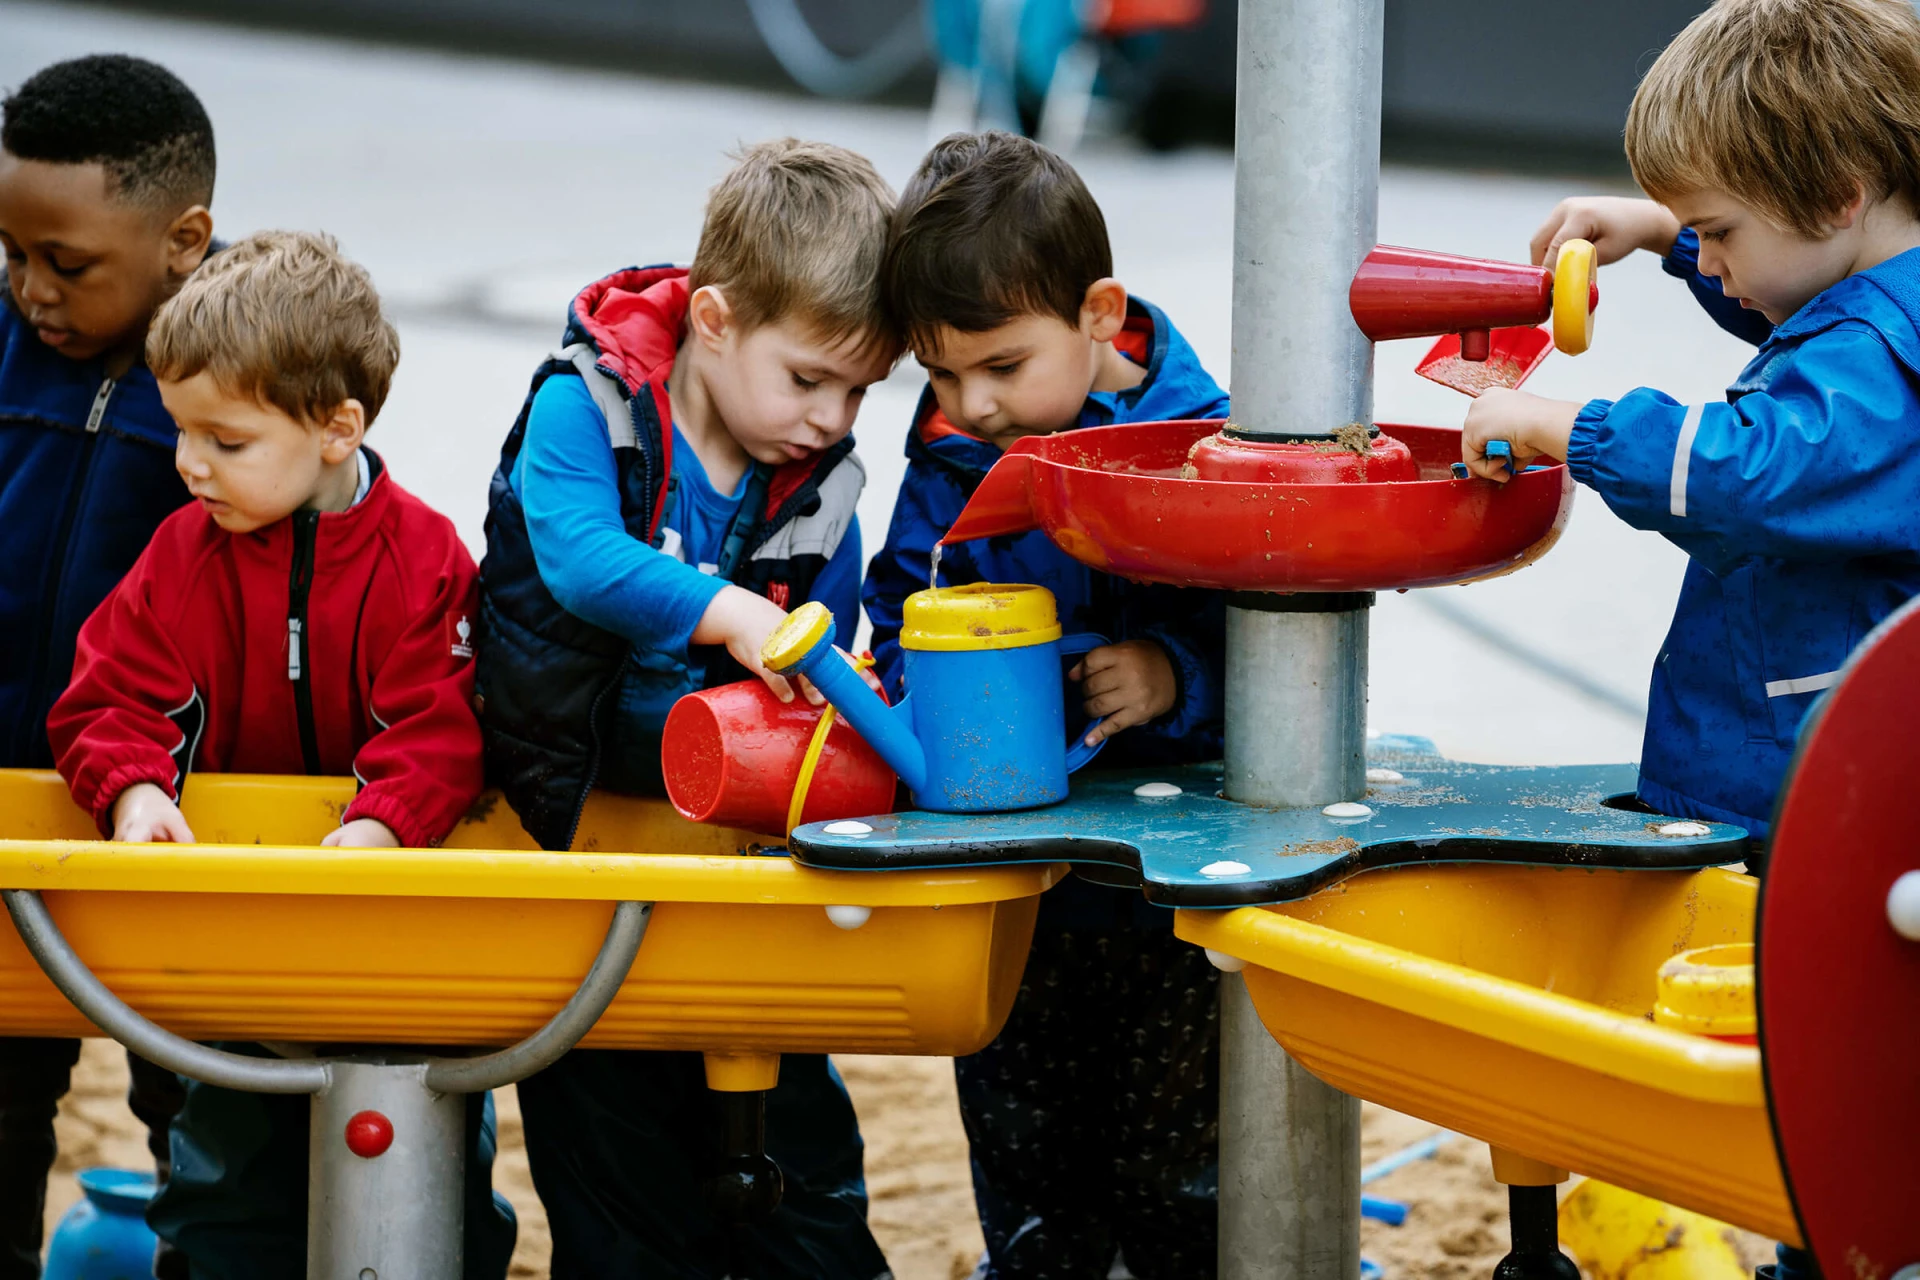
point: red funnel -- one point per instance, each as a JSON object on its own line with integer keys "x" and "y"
{"x": 1115, "y": 498}
{"x": 1414, "y": 293}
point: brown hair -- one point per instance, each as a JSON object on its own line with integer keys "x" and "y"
{"x": 992, "y": 226}
{"x": 797, "y": 229}
{"x": 1789, "y": 106}
{"x": 284, "y": 318}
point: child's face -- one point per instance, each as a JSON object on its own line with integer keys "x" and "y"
{"x": 1030, "y": 376}
{"x": 1767, "y": 268}
{"x": 784, "y": 394}
{"x": 249, "y": 465}
{"x": 86, "y": 269}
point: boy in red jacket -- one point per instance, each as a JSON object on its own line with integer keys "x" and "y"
{"x": 303, "y": 615}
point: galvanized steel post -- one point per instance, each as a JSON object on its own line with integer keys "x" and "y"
{"x": 1306, "y": 188}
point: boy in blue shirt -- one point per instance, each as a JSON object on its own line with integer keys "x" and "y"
{"x": 106, "y": 172}
{"x": 1092, "y": 1119}
{"x": 1782, "y": 142}
{"x": 682, "y": 473}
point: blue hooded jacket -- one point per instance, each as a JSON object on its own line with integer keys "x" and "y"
{"x": 86, "y": 476}
{"x": 945, "y": 465}
{"x": 1798, "y": 504}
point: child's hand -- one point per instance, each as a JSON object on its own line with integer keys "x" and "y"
{"x": 1617, "y": 225}
{"x": 742, "y": 621}
{"x": 1534, "y": 425}
{"x": 362, "y": 833}
{"x": 1125, "y": 684}
{"x": 143, "y": 815}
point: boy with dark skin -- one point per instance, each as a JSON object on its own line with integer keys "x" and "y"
{"x": 106, "y": 172}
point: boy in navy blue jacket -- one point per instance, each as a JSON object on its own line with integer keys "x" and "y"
{"x": 106, "y": 172}
{"x": 1092, "y": 1118}
{"x": 1782, "y": 141}
{"x": 681, "y": 473}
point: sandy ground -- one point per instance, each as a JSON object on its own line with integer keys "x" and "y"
{"x": 922, "y": 1210}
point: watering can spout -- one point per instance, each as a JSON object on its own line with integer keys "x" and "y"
{"x": 803, "y": 646}
{"x": 1002, "y": 503}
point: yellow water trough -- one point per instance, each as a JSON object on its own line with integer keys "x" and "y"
{"x": 1514, "y": 1004}
{"x": 259, "y": 934}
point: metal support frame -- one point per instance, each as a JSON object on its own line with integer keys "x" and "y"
{"x": 397, "y": 1211}
{"x": 1306, "y": 196}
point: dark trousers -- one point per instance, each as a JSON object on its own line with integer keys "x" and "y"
{"x": 1093, "y": 1119}
{"x": 621, "y": 1142}
{"x": 34, "y": 1076}
{"x": 236, "y": 1204}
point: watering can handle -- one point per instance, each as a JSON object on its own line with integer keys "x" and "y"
{"x": 1079, "y": 753}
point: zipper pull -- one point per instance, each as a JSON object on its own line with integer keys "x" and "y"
{"x": 293, "y": 648}
{"x": 99, "y": 410}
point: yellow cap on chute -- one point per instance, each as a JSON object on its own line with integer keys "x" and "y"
{"x": 1572, "y": 296}
{"x": 980, "y": 615}
{"x": 793, "y": 639}
{"x": 1708, "y": 991}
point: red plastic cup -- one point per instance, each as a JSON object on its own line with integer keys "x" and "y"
{"x": 731, "y": 756}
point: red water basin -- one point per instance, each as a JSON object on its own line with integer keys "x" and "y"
{"x": 1114, "y": 498}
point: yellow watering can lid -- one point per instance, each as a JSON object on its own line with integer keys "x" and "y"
{"x": 980, "y": 615}
{"x": 1708, "y": 991}
{"x": 804, "y": 628}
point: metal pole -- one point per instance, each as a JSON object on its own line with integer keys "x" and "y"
{"x": 1306, "y": 190}
{"x": 395, "y": 1209}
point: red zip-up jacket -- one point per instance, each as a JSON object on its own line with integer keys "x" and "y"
{"x": 325, "y": 643}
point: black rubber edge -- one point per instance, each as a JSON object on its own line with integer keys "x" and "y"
{"x": 1233, "y": 432}
{"x": 1301, "y": 601}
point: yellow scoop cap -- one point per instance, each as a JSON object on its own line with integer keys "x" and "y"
{"x": 795, "y": 638}
{"x": 980, "y": 615}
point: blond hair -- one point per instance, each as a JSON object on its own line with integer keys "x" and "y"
{"x": 1789, "y": 106}
{"x": 797, "y": 229}
{"x": 281, "y": 317}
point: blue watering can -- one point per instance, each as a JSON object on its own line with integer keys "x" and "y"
{"x": 105, "y": 1236}
{"x": 983, "y": 726}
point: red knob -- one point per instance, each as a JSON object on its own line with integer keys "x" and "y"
{"x": 369, "y": 1134}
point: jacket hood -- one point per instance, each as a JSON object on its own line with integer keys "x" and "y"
{"x": 1176, "y": 388}
{"x": 1885, "y": 297}
{"x": 635, "y": 320}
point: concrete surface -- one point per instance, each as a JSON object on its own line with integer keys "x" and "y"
{"x": 481, "y": 192}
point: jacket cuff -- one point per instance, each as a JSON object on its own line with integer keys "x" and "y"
{"x": 1192, "y": 690}
{"x": 1683, "y": 260}
{"x": 387, "y": 808}
{"x": 119, "y": 779}
{"x": 1583, "y": 443}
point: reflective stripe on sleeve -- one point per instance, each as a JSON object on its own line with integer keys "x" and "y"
{"x": 1803, "y": 684}
{"x": 1682, "y": 452}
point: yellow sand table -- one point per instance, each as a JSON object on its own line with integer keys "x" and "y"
{"x": 1513, "y": 1004}
{"x": 259, "y": 934}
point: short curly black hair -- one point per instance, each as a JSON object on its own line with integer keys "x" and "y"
{"x": 133, "y": 117}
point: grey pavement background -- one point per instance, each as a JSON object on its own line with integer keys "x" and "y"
{"x": 481, "y": 192}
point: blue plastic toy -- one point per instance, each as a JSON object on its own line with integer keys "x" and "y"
{"x": 983, "y": 726}
{"x": 105, "y": 1236}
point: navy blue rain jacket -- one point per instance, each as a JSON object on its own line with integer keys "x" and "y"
{"x": 86, "y": 476}
{"x": 945, "y": 465}
{"x": 1798, "y": 504}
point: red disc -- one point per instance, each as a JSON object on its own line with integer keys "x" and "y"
{"x": 369, "y": 1134}
{"x": 1838, "y": 987}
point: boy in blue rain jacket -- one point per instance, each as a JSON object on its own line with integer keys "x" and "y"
{"x": 1091, "y": 1120}
{"x": 1787, "y": 199}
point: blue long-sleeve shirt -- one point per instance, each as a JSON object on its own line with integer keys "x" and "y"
{"x": 652, "y": 596}
{"x": 1797, "y": 501}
